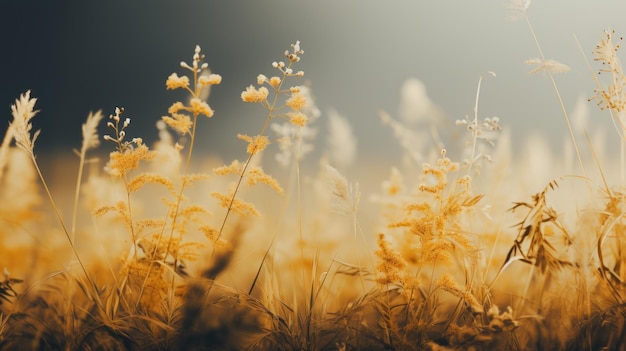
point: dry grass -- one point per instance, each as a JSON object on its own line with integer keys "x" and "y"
{"x": 155, "y": 257}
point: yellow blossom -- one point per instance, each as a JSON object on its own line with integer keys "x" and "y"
{"x": 257, "y": 175}
{"x": 139, "y": 181}
{"x": 177, "y": 106}
{"x": 199, "y": 107}
{"x": 179, "y": 122}
{"x": 121, "y": 163}
{"x": 255, "y": 144}
{"x": 297, "y": 118}
{"x": 234, "y": 168}
{"x": 175, "y": 82}
{"x": 212, "y": 79}
{"x": 297, "y": 101}
{"x": 390, "y": 265}
{"x": 275, "y": 81}
{"x": 237, "y": 206}
{"x": 260, "y": 79}
{"x": 253, "y": 95}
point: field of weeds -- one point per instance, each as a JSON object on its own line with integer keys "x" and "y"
{"x": 153, "y": 247}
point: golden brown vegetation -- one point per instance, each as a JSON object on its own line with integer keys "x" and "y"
{"x": 154, "y": 257}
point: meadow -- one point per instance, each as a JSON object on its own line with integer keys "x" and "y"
{"x": 457, "y": 247}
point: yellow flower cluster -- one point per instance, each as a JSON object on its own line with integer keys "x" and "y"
{"x": 297, "y": 101}
{"x": 181, "y": 122}
{"x": 390, "y": 264}
{"x": 234, "y": 168}
{"x": 430, "y": 230}
{"x": 297, "y": 118}
{"x": 255, "y": 144}
{"x": 257, "y": 175}
{"x": 176, "y": 82}
{"x": 122, "y": 162}
{"x": 254, "y": 95}
{"x": 237, "y": 206}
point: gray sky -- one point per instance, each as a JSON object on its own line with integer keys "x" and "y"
{"x": 78, "y": 56}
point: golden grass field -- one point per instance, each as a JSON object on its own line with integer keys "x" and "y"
{"x": 457, "y": 247}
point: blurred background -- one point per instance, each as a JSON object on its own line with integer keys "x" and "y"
{"x": 81, "y": 56}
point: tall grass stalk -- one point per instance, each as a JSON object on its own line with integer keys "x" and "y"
{"x": 271, "y": 110}
{"x": 548, "y": 71}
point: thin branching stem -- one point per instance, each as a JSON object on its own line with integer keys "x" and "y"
{"x": 271, "y": 108}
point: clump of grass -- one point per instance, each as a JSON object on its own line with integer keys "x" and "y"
{"x": 421, "y": 305}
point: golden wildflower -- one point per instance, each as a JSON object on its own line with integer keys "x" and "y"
{"x": 211, "y": 79}
{"x": 436, "y": 251}
{"x": 390, "y": 265}
{"x": 255, "y": 144}
{"x": 297, "y": 118}
{"x": 257, "y": 175}
{"x": 253, "y": 94}
{"x": 175, "y": 82}
{"x": 212, "y": 235}
{"x": 179, "y": 122}
{"x": 275, "y": 81}
{"x": 102, "y": 210}
{"x": 238, "y": 206}
{"x": 148, "y": 223}
{"x": 297, "y": 101}
{"x": 142, "y": 179}
{"x": 120, "y": 163}
{"x": 209, "y": 232}
{"x": 199, "y": 107}
{"x": 177, "y": 106}
{"x": 192, "y": 211}
{"x": 261, "y": 79}
{"x": 234, "y": 168}
{"x": 190, "y": 178}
